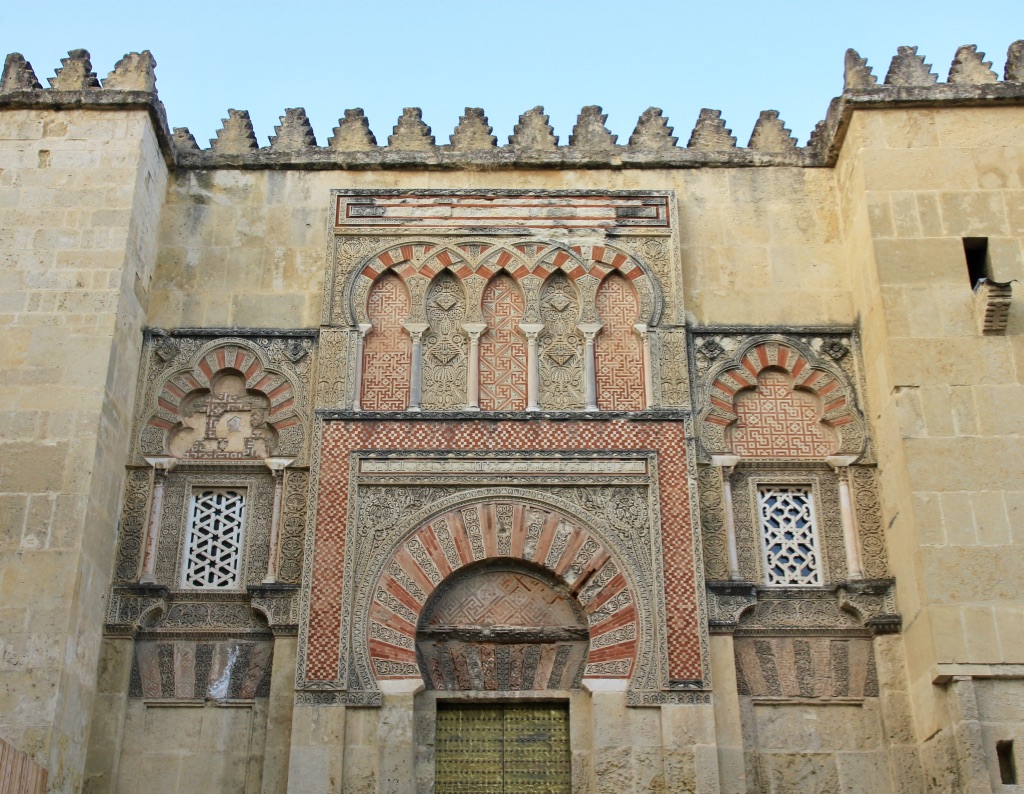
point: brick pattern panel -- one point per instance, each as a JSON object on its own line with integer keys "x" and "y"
{"x": 502, "y": 350}
{"x": 618, "y": 355}
{"x": 19, "y": 774}
{"x": 387, "y": 354}
{"x": 776, "y": 421}
{"x": 667, "y": 439}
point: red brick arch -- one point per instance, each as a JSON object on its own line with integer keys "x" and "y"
{"x": 519, "y": 260}
{"x": 510, "y": 530}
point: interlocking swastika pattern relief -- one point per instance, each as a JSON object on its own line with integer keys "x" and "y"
{"x": 618, "y": 355}
{"x": 778, "y": 421}
{"x": 789, "y": 535}
{"x": 387, "y": 354}
{"x": 502, "y": 350}
{"x": 213, "y": 550}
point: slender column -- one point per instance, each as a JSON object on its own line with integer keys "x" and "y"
{"x": 645, "y": 340}
{"x": 364, "y": 329}
{"x": 589, "y": 331}
{"x": 726, "y": 465}
{"x": 841, "y": 465}
{"x": 531, "y": 331}
{"x": 277, "y": 466}
{"x": 161, "y": 468}
{"x": 416, "y": 331}
{"x": 473, "y": 331}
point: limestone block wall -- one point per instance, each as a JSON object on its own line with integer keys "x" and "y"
{"x": 80, "y": 193}
{"x": 854, "y": 244}
{"x": 172, "y": 748}
{"x": 915, "y": 183}
{"x": 245, "y": 247}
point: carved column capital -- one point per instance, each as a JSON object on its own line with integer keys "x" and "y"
{"x": 473, "y": 330}
{"x": 162, "y": 466}
{"x": 277, "y": 466}
{"x": 361, "y": 331}
{"x": 589, "y": 331}
{"x": 727, "y": 465}
{"x": 531, "y": 330}
{"x": 416, "y": 331}
{"x": 841, "y": 464}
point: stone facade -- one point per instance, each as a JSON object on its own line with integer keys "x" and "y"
{"x": 705, "y": 459}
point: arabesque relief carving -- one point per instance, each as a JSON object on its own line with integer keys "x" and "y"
{"x": 224, "y": 399}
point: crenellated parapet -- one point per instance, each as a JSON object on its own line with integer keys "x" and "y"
{"x": 909, "y": 82}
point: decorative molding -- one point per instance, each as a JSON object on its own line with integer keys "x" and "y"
{"x": 861, "y": 608}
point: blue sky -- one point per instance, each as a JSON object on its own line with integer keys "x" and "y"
{"x": 740, "y": 57}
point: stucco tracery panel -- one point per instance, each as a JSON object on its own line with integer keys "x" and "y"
{"x": 231, "y": 398}
{"x": 775, "y": 420}
{"x": 387, "y": 351}
{"x": 727, "y": 367}
{"x": 445, "y": 348}
{"x": 618, "y": 354}
{"x": 561, "y": 346}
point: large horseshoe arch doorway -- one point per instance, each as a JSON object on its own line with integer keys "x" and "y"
{"x": 503, "y": 608}
{"x": 504, "y": 626}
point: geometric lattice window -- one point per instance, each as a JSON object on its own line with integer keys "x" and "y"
{"x": 788, "y": 533}
{"x": 213, "y": 549}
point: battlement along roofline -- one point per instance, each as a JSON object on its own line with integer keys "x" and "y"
{"x": 909, "y": 82}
